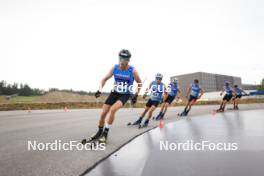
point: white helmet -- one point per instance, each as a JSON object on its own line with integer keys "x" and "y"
{"x": 174, "y": 80}
{"x": 158, "y": 76}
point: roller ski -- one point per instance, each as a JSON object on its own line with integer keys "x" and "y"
{"x": 183, "y": 114}
{"x": 136, "y": 123}
{"x": 159, "y": 116}
{"x": 144, "y": 125}
{"x": 93, "y": 138}
{"x": 234, "y": 108}
{"x": 99, "y": 137}
{"x": 97, "y": 141}
{"x": 219, "y": 110}
{"x": 102, "y": 139}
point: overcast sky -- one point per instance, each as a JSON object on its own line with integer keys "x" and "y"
{"x": 73, "y": 44}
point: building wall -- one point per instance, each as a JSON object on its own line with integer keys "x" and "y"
{"x": 249, "y": 87}
{"x": 209, "y": 81}
{"x": 237, "y": 81}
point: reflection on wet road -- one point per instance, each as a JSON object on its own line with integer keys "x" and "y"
{"x": 143, "y": 156}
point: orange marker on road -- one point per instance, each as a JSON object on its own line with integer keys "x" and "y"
{"x": 161, "y": 124}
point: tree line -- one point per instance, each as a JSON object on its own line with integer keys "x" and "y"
{"x": 26, "y": 90}
{"x": 261, "y": 86}
{"x": 18, "y": 89}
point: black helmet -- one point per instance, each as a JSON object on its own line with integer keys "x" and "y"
{"x": 125, "y": 54}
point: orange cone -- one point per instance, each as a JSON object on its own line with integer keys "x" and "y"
{"x": 161, "y": 124}
{"x": 29, "y": 110}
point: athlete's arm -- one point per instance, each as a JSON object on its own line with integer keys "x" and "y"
{"x": 201, "y": 93}
{"x": 146, "y": 91}
{"x": 244, "y": 92}
{"x": 107, "y": 77}
{"x": 138, "y": 80}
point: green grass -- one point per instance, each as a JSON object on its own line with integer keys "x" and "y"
{"x": 23, "y": 99}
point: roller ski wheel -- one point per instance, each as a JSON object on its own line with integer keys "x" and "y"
{"x": 129, "y": 124}
{"x": 182, "y": 114}
{"x": 143, "y": 126}
{"x": 102, "y": 139}
{"x": 89, "y": 140}
{"x": 157, "y": 118}
{"x": 234, "y": 108}
{"x": 138, "y": 122}
{"x": 219, "y": 110}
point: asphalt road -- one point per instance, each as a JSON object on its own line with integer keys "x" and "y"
{"x": 239, "y": 136}
{"x": 17, "y": 128}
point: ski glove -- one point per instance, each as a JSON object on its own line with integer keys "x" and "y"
{"x": 134, "y": 99}
{"x": 97, "y": 94}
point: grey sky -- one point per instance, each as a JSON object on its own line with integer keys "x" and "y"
{"x": 73, "y": 44}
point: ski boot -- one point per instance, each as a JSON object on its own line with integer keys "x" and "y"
{"x": 103, "y": 138}
{"x": 138, "y": 122}
{"x": 220, "y": 110}
{"x": 144, "y": 125}
{"x": 93, "y": 137}
{"x": 158, "y": 116}
{"x": 184, "y": 113}
{"x": 161, "y": 117}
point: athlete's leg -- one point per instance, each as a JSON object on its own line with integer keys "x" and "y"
{"x": 224, "y": 104}
{"x": 161, "y": 113}
{"x": 221, "y": 105}
{"x": 186, "y": 107}
{"x": 190, "y": 105}
{"x": 163, "y": 106}
{"x": 144, "y": 112}
{"x": 105, "y": 110}
{"x": 166, "y": 107}
{"x": 234, "y": 102}
{"x": 151, "y": 110}
{"x": 138, "y": 121}
{"x": 114, "y": 108}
